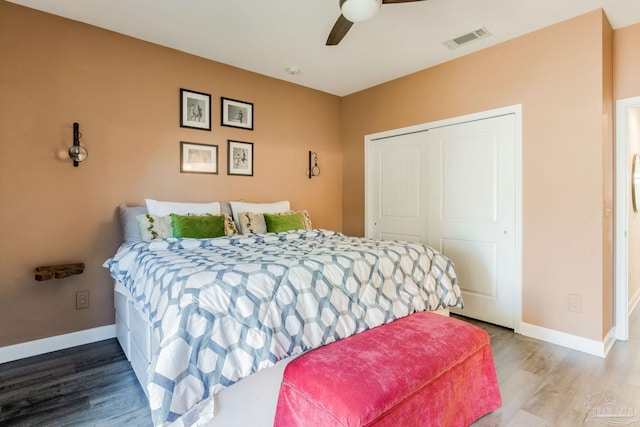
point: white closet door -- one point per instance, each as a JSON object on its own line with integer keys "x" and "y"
{"x": 471, "y": 199}
{"x": 396, "y": 188}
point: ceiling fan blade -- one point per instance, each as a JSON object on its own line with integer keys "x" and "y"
{"x": 338, "y": 31}
{"x": 398, "y": 1}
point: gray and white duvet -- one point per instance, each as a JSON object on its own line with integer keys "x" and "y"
{"x": 228, "y": 307}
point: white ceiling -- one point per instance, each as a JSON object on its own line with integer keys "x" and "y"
{"x": 268, "y": 36}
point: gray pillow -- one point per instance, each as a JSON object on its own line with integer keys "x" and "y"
{"x": 129, "y": 223}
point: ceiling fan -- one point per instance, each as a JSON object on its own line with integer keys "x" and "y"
{"x": 356, "y": 11}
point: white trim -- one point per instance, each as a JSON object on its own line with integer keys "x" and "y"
{"x": 609, "y": 341}
{"x": 574, "y": 342}
{"x": 633, "y": 302}
{"x": 59, "y": 342}
{"x": 512, "y": 109}
{"x": 516, "y": 110}
{"x": 621, "y": 225}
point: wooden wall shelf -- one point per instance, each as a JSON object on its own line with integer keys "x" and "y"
{"x": 58, "y": 271}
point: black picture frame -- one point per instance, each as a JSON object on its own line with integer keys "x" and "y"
{"x": 235, "y": 113}
{"x": 195, "y": 110}
{"x": 198, "y": 158}
{"x": 239, "y": 158}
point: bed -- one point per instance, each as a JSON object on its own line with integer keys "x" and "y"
{"x": 210, "y": 323}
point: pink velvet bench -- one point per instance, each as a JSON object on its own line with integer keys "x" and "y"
{"x": 421, "y": 370}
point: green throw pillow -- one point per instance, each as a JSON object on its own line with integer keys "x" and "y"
{"x": 198, "y": 226}
{"x": 279, "y": 223}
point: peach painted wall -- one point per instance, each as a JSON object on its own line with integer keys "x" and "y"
{"x": 125, "y": 95}
{"x": 626, "y": 65}
{"x": 557, "y": 74}
{"x": 608, "y": 171}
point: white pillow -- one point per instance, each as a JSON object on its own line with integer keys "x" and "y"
{"x": 158, "y": 208}
{"x": 277, "y": 207}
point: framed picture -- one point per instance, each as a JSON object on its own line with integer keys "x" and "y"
{"x": 198, "y": 158}
{"x": 237, "y": 114}
{"x": 195, "y": 110}
{"x": 240, "y": 158}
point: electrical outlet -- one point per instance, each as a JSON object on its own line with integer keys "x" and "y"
{"x": 82, "y": 299}
{"x": 575, "y": 303}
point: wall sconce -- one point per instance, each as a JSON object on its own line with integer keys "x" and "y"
{"x": 314, "y": 170}
{"x": 77, "y": 152}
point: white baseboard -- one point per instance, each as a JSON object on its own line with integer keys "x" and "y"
{"x": 586, "y": 345}
{"x": 59, "y": 342}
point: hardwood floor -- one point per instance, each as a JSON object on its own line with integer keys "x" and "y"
{"x": 544, "y": 384}
{"x": 87, "y": 385}
{"x": 541, "y": 384}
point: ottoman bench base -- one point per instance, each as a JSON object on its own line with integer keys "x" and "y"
{"x": 421, "y": 370}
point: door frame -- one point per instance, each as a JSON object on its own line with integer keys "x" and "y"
{"x": 516, "y": 110}
{"x": 621, "y": 225}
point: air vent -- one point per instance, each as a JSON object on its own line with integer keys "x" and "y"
{"x": 467, "y": 38}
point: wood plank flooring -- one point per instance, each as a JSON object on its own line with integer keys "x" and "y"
{"x": 541, "y": 384}
{"x": 544, "y": 384}
{"x": 87, "y": 385}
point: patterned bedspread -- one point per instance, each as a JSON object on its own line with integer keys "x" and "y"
{"x": 228, "y": 307}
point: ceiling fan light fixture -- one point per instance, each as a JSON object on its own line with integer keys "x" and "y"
{"x": 360, "y": 10}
